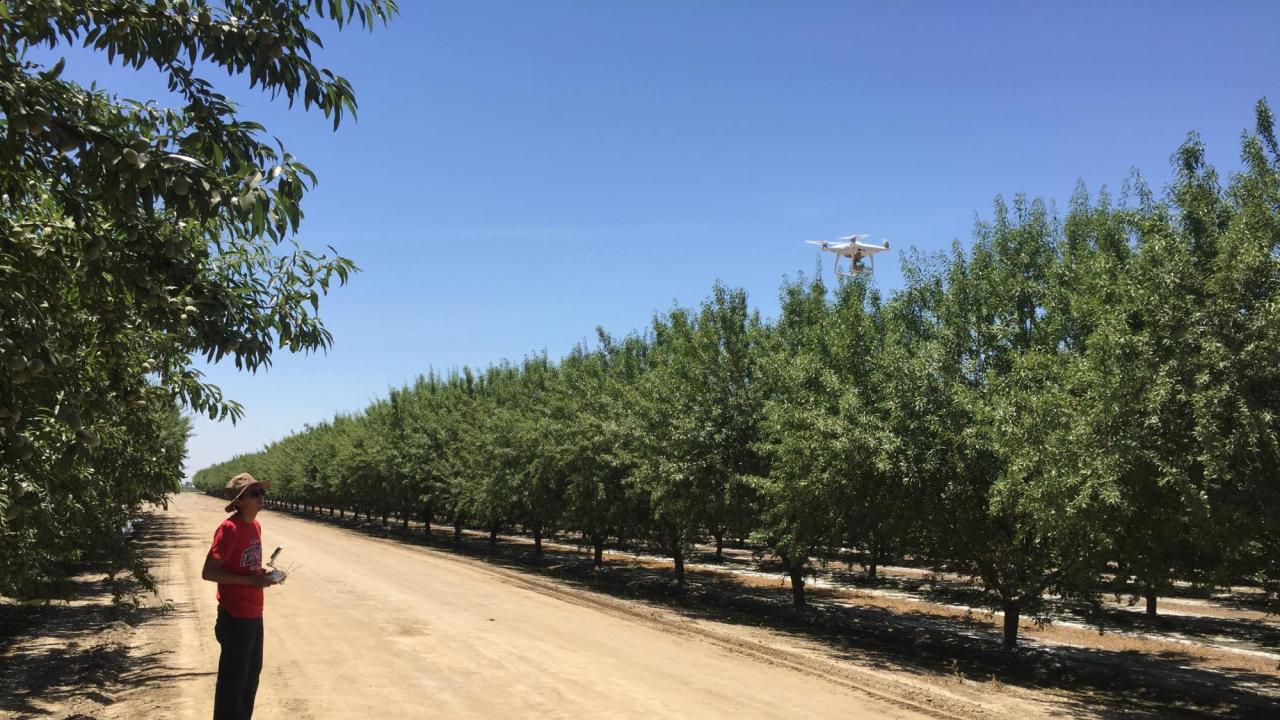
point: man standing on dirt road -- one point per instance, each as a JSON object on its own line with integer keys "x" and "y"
{"x": 235, "y": 563}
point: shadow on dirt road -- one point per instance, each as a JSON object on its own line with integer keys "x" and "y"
{"x": 74, "y": 652}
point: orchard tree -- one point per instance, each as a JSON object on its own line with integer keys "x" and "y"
{"x": 627, "y": 361}
{"x": 587, "y": 417}
{"x": 800, "y": 500}
{"x": 136, "y": 237}
{"x": 536, "y": 432}
{"x": 424, "y": 452}
{"x": 873, "y": 518}
{"x": 696, "y": 420}
{"x": 1134, "y": 422}
{"x": 489, "y": 490}
{"x": 458, "y": 460}
{"x": 997, "y": 503}
{"x": 728, "y": 343}
{"x": 829, "y": 482}
{"x": 1237, "y": 402}
{"x": 672, "y": 450}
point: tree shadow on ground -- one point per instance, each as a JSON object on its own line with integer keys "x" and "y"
{"x": 1257, "y": 634}
{"x": 63, "y": 651}
{"x": 1079, "y": 682}
{"x": 1261, "y": 635}
{"x": 1235, "y": 598}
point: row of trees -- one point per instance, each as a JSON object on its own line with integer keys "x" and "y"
{"x": 135, "y": 238}
{"x": 1068, "y": 403}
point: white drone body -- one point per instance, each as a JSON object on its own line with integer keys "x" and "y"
{"x": 855, "y": 248}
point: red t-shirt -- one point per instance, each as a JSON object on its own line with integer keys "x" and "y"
{"x": 238, "y": 547}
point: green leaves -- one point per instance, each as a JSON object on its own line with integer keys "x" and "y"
{"x": 134, "y": 238}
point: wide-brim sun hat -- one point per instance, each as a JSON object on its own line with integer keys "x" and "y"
{"x": 238, "y": 484}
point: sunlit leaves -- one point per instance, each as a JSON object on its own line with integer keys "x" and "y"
{"x": 135, "y": 237}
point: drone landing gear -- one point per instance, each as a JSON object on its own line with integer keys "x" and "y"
{"x": 857, "y": 269}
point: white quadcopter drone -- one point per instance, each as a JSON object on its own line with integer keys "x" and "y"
{"x": 852, "y": 247}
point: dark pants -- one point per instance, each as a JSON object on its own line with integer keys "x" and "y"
{"x": 238, "y": 666}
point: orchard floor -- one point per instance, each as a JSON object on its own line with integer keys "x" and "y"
{"x": 378, "y": 628}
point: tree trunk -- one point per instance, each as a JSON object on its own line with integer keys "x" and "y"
{"x": 384, "y": 518}
{"x": 678, "y": 555}
{"x": 797, "y": 586}
{"x": 493, "y": 535}
{"x": 537, "y": 541}
{"x": 1012, "y": 609}
{"x": 342, "y": 513}
{"x": 457, "y": 527}
{"x": 1150, "y": 594}
{"x": 719, "y": 535}
{"x": 599, "y": 546}
{"x": 796, "y": 573}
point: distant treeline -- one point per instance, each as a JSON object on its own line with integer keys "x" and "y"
{"x": 1070, "y": 404}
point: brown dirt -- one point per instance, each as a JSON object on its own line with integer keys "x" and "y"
{"x": 374, "y": 628}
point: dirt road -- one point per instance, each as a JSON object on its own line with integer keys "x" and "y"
{"x": 370, "y": 628}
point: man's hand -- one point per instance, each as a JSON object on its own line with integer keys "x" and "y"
{"x": 261, "y": 581}
{"x": 214, "y": 572}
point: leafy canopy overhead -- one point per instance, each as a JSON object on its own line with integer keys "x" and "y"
{"x": 136, "y": 237}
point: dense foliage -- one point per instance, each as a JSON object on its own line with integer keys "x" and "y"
{"x": 1068, "y": 405}
{"x": 135, "y": 238}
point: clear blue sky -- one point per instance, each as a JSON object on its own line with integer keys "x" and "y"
{"x": 523, "y": 171}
